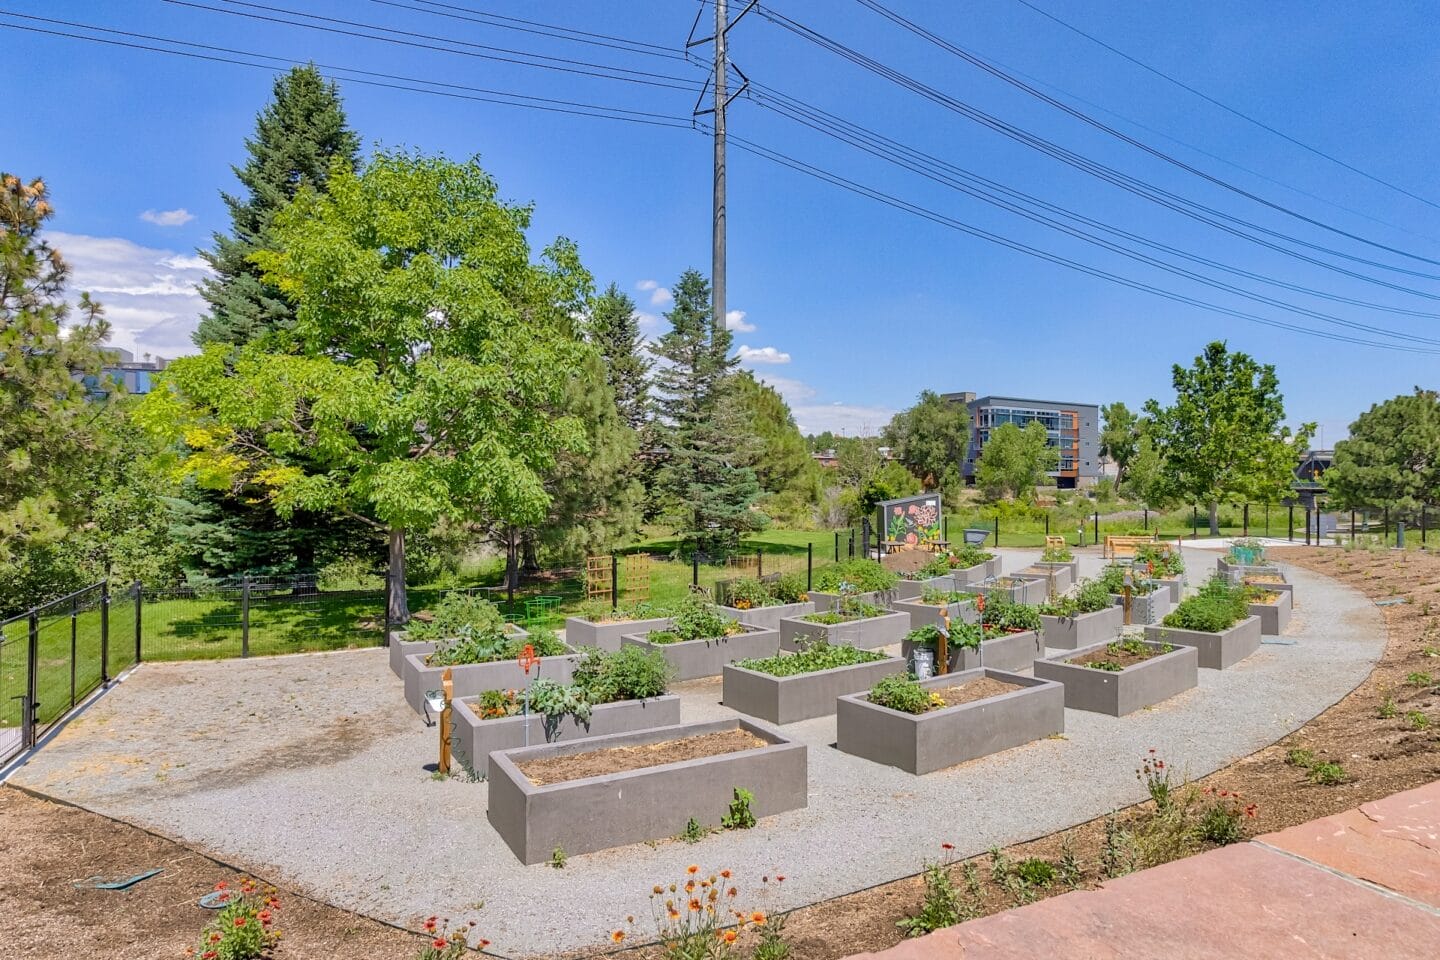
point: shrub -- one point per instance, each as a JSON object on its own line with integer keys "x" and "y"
{"x": 854, "y": 576}
{"x": 747, "y": 593}
{"x": 458, "y": 615}
{"x": 818, "y": 656}
{"x": 1113, "y": 577}
{"x": 1165, "y": 561}
{"x": 942, "y": 905}
{"x": 1035, "y": 872}
{"x": 1092, "y": 596}
{"x": 1217, "y": 607}
{"x": 790, "y": 588}
{"x": 901, "y": 692}
{"x": 1004, "y": 615}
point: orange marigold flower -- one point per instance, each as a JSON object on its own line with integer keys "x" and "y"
{"x": 731, "y": 936}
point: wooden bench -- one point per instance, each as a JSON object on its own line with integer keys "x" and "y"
{"x": 1057, "y": 543}
{"x": 1116, "y": 547}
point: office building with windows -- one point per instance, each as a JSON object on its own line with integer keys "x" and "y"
{"x": 1072, "y": 428}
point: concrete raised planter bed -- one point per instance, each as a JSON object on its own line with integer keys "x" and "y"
{"x": 1285, "y": 587}
{"x": 1145, "y": 608}
{"x": 923, "y": 743}
{"x": 1011, "y": 652}
{"x": 476, "y": 739}
{"x": 925, "y": 614}
{"x": 1070, "y": 633}
{"x": 1274, "y": 617}
{"x": 831, "y": 601}
{"x": 1175, "y": 586}
{"x": 635, "y": 806}
{"x": 580, "y": 632}
{"x": 767, "y": 617}
{"x": 1028, "y": 590}
{"x": 912, "y": 589}
{"x": 1134, "y": 688}
{"x": 1217, "y": 650}
{"x": 981, "y": 571}
{"x": 867, "y": 634}
{"x": 472, "y": 679}
{"x": 1238, "y": 570}
{"x": 692, "y": 659}
{"x": 1064, "y": 574}
{"x": 400, "y": 648}
{"x": 803, "y": 696}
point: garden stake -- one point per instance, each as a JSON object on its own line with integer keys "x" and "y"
{"x": 1129, "y": 577}
{"x": 942, "y": 645}
{"x": 527, "y": 659}
{"x": 447, "y": 684}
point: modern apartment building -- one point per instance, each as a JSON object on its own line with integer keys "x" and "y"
{"x": 1073, "y": 428}
{"x": 134, "y": 376}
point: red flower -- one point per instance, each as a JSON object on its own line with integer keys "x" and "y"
{"x": 438, "y": 943}
{"x": 947, "y": 846}
{"x": 221, "y": 885}
{"x": 209, "y": 955}
{"x": 430, "y": 925}
{"x": 239, "y": 922}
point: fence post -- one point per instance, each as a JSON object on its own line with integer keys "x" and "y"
{"x": 139, "y": 598}
{"x": 997, "y": 531}
{"x": 1422, "y": 524}
{"x": 945, "y": 528}
{"x": 245, "y": 615}
{"x": 1352, "y": 526}
{"x": 1291, "y": 535}
{"x": 1245, "y": 521}
{"x": 1145, "y": 517}
{"x": 852, "y": 544}
{"x": 810, "y": 565}
{"x": 32, "y": 680}
{"x": 1385, "y": 526}
{"x": 614, "y": 582}
{"x": 1194, "y": 522}
{"x": 759, "y": 562}
{"x": 1267, "y": 521}
{"x": 1097, "y": 527}
{"x": 865, "y": 537}
{"x": 74, "y": 643}
{"x": 837, "y": 546}
{"x": 1047, "y": 525}
{"x": 104, "y": 632}
{"x": 1307, "y": 525}
{"x": 695, "y": 568}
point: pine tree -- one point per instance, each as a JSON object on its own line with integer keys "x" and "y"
{"x": 296, "y": 138}
{"x": 615, "y": 331}
{"x": 708, "y": 446}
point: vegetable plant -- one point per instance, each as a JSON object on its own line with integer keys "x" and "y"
{"x": 859, "y": 576}
{"x": 902, "y": 692}
{"x": 491, "y": 646}
{"x": 818, "y": 656}
{"x": 458, "y": 615}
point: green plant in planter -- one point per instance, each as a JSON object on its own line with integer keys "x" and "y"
{"x": 1091, "y": 597}
{"x": 493, "y": 645}
{"x": 748, "y": 593}
{"x": 1113, "y": 577}
{"x": 1056, "y": 555}
{"x": 600, "y": 611}
{"x": 630, "y": 673}
{"x": 790, "y": 588}
{"x": 1005, "y": 616}
{"x": 968, "y": 556}
{"x": 554, "y": 701}
{"x": 901, "y": 692}
{"x": 458, "y": 615}
{"x": 820, "y": 655}
{"x": 851, "y": 608}
{"x": 939, "y": 598}
{"x": 939, "y": 566}
{"x": 1217, "y": 607}
{"x": 859, "y": 576}
{"x": 1166, "y": 562}
{"x": 696, "y": 618}
{"x": 967, "y": 635}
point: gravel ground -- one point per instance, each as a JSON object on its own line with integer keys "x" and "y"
{"x": 312, "y": 770}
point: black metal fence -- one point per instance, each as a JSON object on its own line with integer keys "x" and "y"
{"x": 53, "y": 656}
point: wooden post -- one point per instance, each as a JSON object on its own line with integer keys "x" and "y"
{"x": 1129, "y": 577}
{"x": 447, "y": 685}
{"x": 942, "y": 645}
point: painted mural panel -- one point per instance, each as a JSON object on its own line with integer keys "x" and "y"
{"x": 911, "y": 521}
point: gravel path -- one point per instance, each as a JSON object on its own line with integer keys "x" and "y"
{"x": 312, "y": 770}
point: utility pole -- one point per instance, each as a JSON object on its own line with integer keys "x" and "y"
{"x": 717, "y": 249}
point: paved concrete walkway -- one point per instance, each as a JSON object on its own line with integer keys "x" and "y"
{"x": 1362, "y": 884}
{"x": 311, "y": 769}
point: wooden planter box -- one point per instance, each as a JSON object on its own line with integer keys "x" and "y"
{"x": 580, "y": 632}
{"x": 1134, "y": 688}
{"x": 636, "y": 806}
{"x": 400, "y": 648}
{"x": 1274, "y": 617}
{"x": 801, "y": 697}
{"x": 1012, "y": 652}
{"x": 693, "y": 659}
{"x": 925, "y": 614}
{"x": 1070, "y": 633}
{"x": 476, "y": 739}
{"x": 1064, "y": 574}
{"x": 767, "y": 617}
{"x": 867, "y": 634}
{"x": 1147, "y": 608}
{"x": 912, "y": 589}
{"x": 923, "y": 743}
{"x": 1217, "y": 650}
{"x": 472, "y": 679}
{"x": 1028, "y": 590}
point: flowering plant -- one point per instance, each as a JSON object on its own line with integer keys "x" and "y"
{"x": 447, "y": 943}
{"x": 244, "y": 927}
{"x": 698, "y": 919}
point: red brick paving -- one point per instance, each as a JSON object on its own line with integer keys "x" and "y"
{"x": 1298, "y": 894}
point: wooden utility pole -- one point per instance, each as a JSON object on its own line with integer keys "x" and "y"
{"x": 717, "y": 244}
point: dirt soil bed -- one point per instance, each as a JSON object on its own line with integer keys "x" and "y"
{"x": 907, "y": 561}
{"x": 1380, "y": 756}
{"x": 1125, "y": 658}
{"x": 597, "y": 763}
{"x": 973, "y": 690}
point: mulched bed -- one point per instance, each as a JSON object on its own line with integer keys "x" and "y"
{"x": 973, "y": 690}
{"x": 597, "y": 763}
{"x": 1126, "y": 658}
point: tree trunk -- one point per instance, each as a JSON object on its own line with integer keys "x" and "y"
{"x": 531, "y": 562}
{"x": 1214, "y": 519}
{"x": 398, "y": 609}
{"x": 512, "y": 556}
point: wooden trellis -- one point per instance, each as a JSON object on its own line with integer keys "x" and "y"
{"x": 635, "y": 576}
{"x": 743, "y": 562}
{"x": 597, "y": 578}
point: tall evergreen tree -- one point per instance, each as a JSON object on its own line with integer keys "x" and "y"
{"x": 296, "y": 137}
{"x": 708, "y": 447}
{"x": 615, "y": 331}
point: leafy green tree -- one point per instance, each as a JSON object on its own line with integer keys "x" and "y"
{"x": 1392, "y": 458}
{"x": 49, "y": 431}
{"x": 892, "y": 480}
{"x": 421, "y": 378}
{"x": 931, "y": 439}
{"x": 1223, "y": 438}
{"x": 857, "y": 459}
{"x": 1145, "y": 481}
{"x": 820, "y": 442}
{"x": 708, "y": 447}
{"x": 614, "y": 328}
{"x": 1013, "y": 461}
{"x": 297, "y": 138}
{"x": 789, "y": 477}
{"x": 1119, "y": 437}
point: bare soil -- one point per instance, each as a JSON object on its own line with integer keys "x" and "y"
{"x": 1126, "y": 658}
{"x": 1264, "y": 578}
{"x": 973, "y": 690}
{"x": 597, "y": 763}
{"x": 906, "y": 561}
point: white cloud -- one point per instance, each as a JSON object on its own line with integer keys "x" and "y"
{"x": 735, "y": 320}
{"x": 793, "y": 391}
{"x": 168, "y": 218}
{"x": 149, "y": 294}
{"x": 659, "y": 296}
{"x": 849, "y": 420}
{"x": 766, "y": 355}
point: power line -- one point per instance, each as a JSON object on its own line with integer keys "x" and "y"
{"x": 522, "y": 25}
{"x": 1083, "y": 117}
{"x": 918, "y": 210}
{"x": 1226, "y": 107}
{"x": 1190, "y": 208}
{"x": 562, "y": 64}
{"x": 550, "y": 105}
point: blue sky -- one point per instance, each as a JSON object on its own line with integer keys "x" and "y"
{"x": 849, "y": 307}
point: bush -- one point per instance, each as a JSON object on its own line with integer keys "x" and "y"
{"x": 1057, "y": 555}
{"x": 854, "y": 576}
{"x": 1166, "y": 561}
{"x": 900, "y": 692}
{"x": 1217, "y": 607}
{"x": 1003, "y": 615}
{"x": 1113, "y": 578}
{"x": 631, "y": 673}
{"x": 458, "y": 615}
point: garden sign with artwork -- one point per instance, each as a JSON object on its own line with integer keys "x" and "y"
{"x": 911, "y": 521}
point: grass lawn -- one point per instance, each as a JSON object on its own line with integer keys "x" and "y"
{"x": 55, "y": 682}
